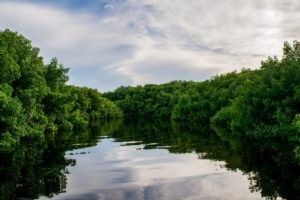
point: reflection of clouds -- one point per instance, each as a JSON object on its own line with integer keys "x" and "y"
{"x": 112, "y": 171}
{"x": 212, "y": 186}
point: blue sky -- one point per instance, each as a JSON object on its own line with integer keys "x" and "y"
{"x": 109, "y": 43}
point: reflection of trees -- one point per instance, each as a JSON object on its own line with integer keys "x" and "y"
{"x": 271, "y": 168}
{"x": 31, "y": 171}
{"x": 40, "y": 168}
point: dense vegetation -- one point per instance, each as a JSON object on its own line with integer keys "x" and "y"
{"x": 35, "y": 100}
{"x": 262, "y": 103}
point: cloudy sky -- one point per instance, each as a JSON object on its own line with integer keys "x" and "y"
{"x": 109, "y": 43}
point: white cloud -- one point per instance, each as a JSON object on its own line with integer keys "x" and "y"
{"x": 153, "y": 41}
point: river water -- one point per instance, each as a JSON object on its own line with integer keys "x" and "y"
{"x": 117, "y": 160}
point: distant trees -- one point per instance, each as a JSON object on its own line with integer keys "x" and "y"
{"x": 34, "y": 97}
{"x": 150, "y": 101}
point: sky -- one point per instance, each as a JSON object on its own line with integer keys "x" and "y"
{"x": 109, "y": 43}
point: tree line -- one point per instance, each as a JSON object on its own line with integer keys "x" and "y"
{"x": 35, "y": 100}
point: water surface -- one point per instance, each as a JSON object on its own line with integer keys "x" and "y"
{"x": 115, "y": 160}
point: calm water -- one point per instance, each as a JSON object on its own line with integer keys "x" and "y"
{"x": 116, "y": 160}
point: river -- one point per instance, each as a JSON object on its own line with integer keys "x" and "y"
{"x": 146, "y": 160}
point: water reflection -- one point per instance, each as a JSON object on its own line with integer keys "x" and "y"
{"x": 116, "y": 160}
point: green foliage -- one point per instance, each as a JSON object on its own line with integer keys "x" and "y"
{"x": 34, "y": 98}
{"x": 150, "y": 101}
{"x": 9, "y": 70}
{"x": 56, "y": 75}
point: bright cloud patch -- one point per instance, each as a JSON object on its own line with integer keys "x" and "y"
{"x": 115, "y": 43}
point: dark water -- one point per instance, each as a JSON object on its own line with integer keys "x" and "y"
{"x": 116, "y": 160}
